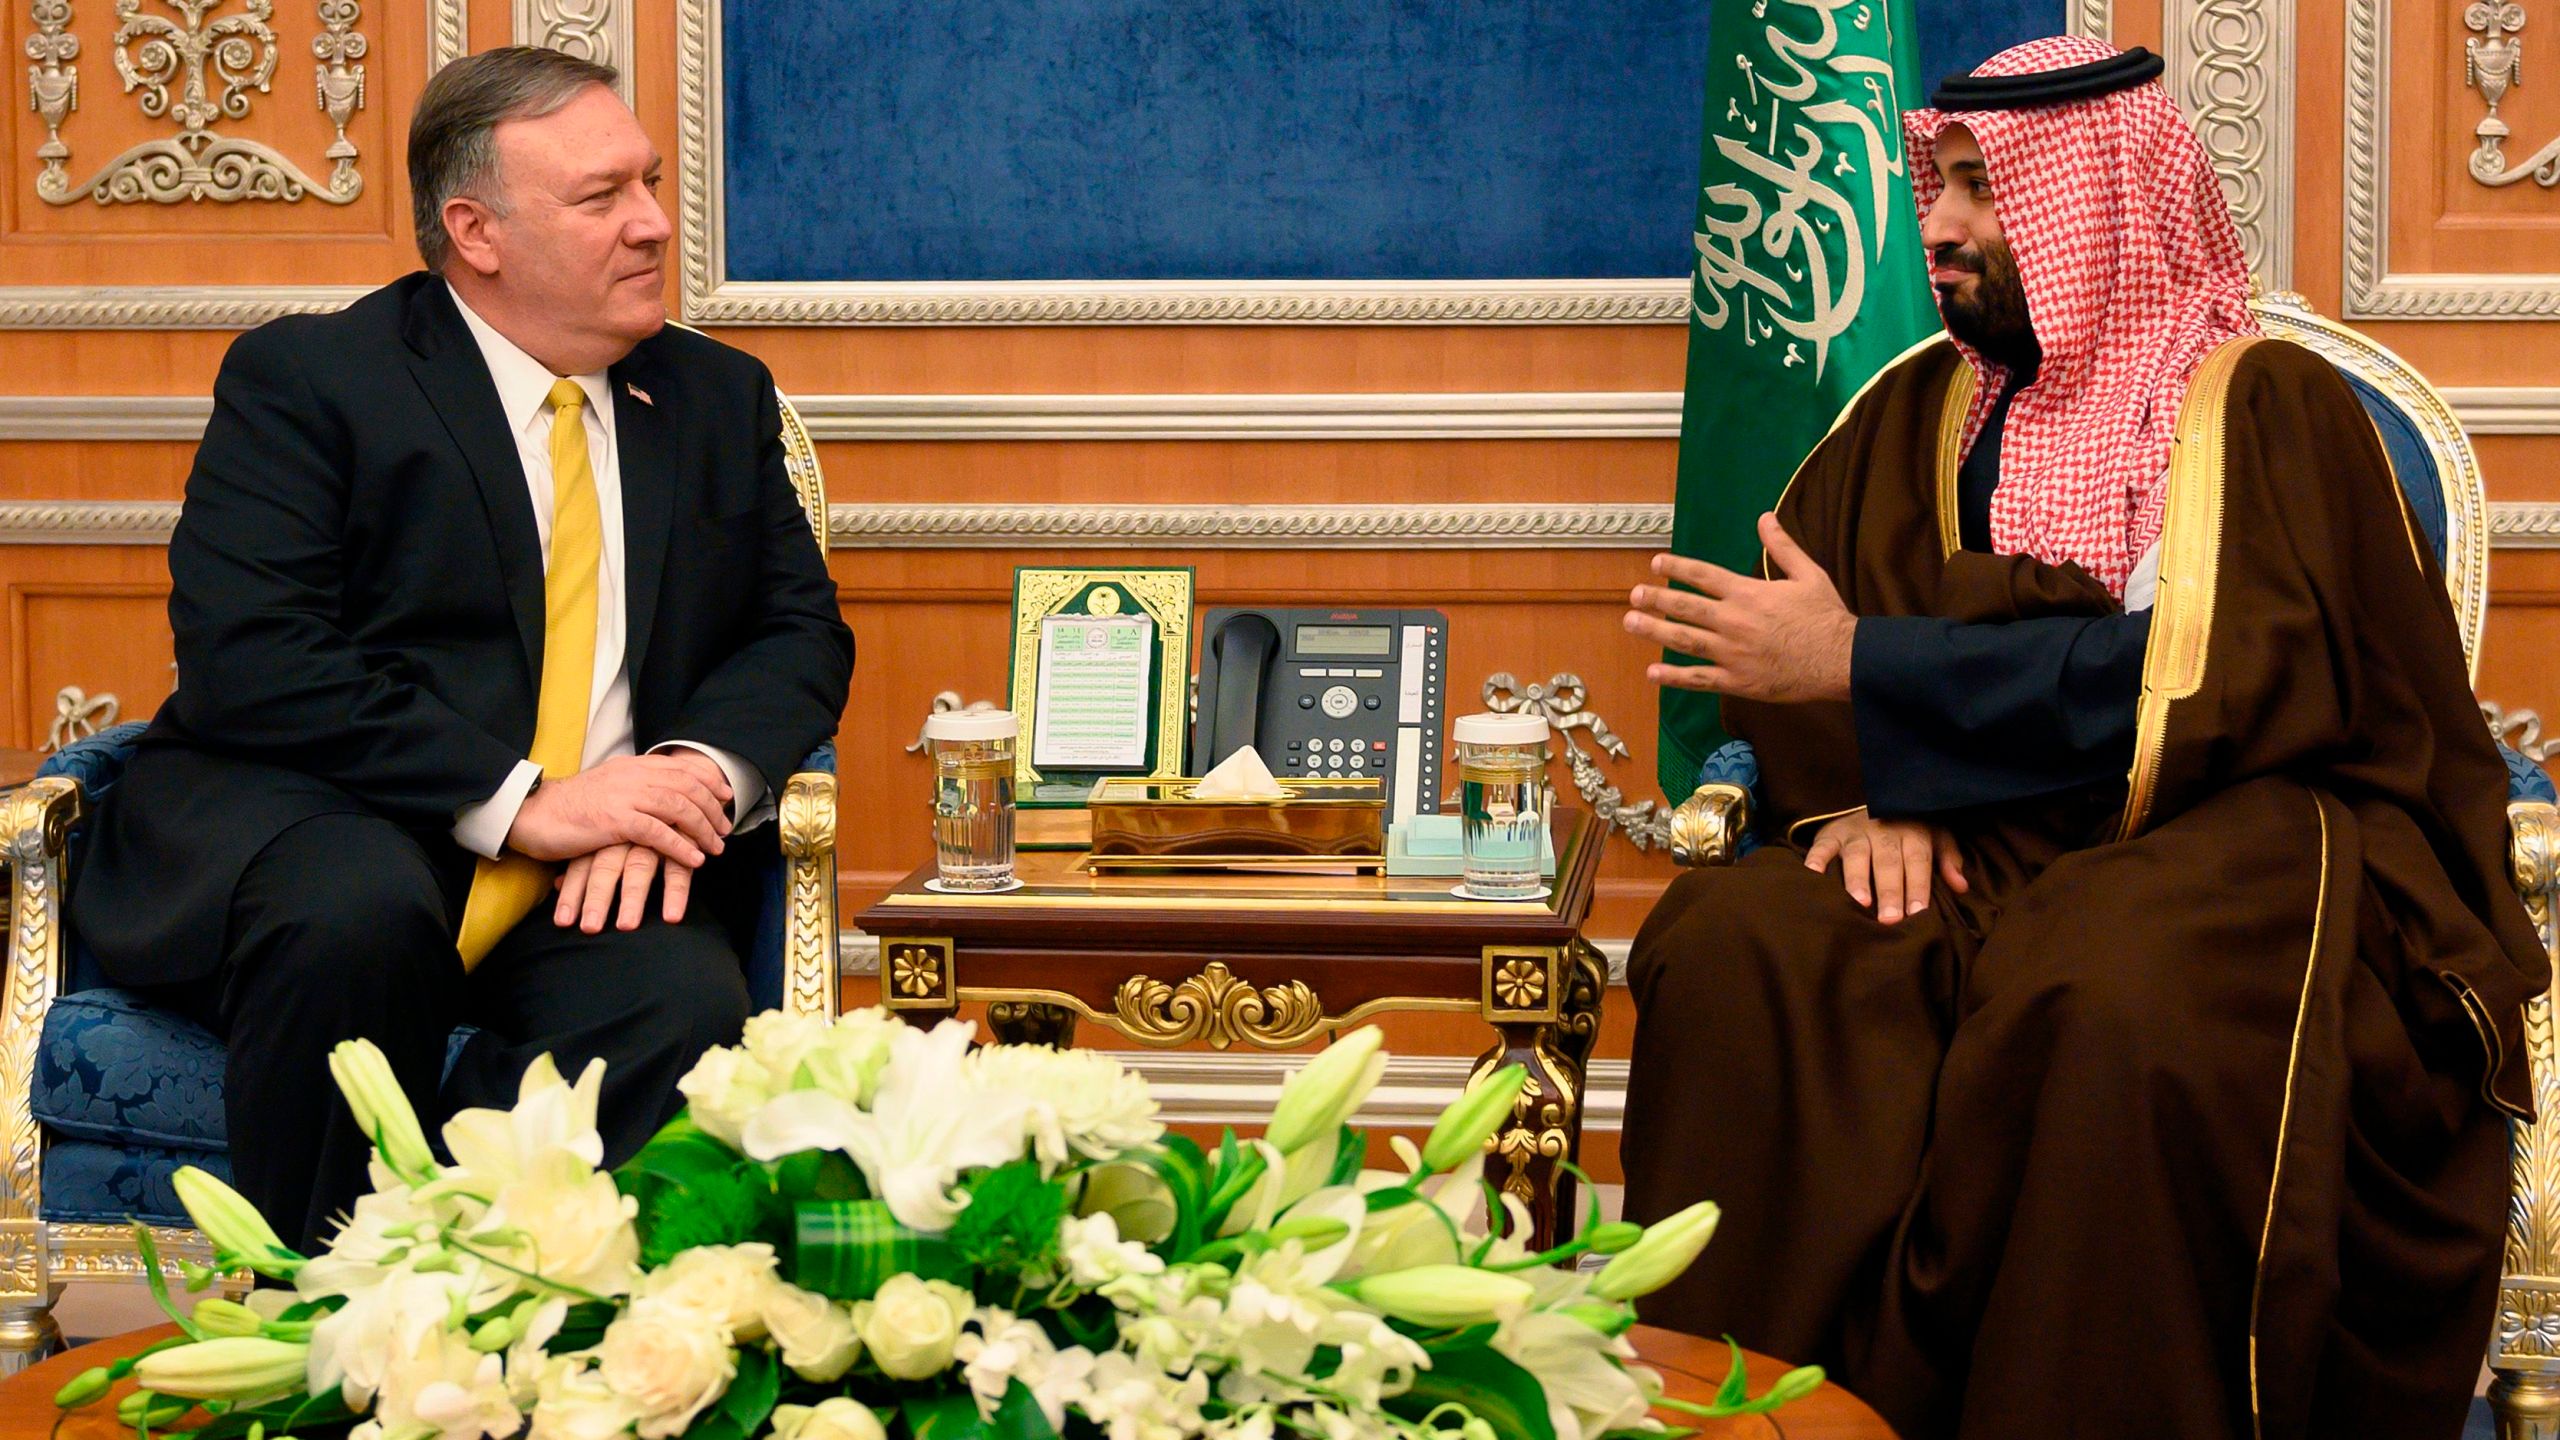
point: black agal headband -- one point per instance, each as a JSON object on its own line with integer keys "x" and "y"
{"x": 2046, "y": 87}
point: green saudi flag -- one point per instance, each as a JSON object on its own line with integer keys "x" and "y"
{"x": 1809, "y": 275}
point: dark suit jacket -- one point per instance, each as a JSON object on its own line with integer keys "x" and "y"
{"x": 357, "y": 595}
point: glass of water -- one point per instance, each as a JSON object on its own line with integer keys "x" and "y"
{"x": 1502, "y": 772}
{"x": 973, "y": 797}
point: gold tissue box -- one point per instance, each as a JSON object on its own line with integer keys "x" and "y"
{"x": 1160, "y": 824}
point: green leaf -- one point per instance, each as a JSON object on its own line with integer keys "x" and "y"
{"x": 1496, "y": 1391}
{"x": 678, "y": 1153}
{"x": 583, "y": 1327}
{"x": 751, "y": 1393}
{"x": 1018, "y": 1416}
{"x": 1348, "y": 1157}
{"x": 1011, "y": 1221}
{"x": 1177, "y": 1161}
{"x": 1392, "y": 1197}
{"x": 1737, "y": 1385}
{"x": 945, "y": 1417}
{"x": 818, "y": 1175}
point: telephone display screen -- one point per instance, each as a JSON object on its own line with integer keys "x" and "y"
{"x": 1344, "y": 639}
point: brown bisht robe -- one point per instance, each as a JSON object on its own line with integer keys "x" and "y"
{"x": 2190, "y": 1118}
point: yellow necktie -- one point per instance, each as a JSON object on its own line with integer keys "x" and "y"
{"x": 505, "y": 890}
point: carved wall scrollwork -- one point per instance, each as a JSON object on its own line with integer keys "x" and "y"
{"x": 2493, "y": 63}
{"x": 1646, "y": 823}
{"x": 2230, "y": 68}
{"x": 212, "y": 63}
{"x": 594, "y": 30}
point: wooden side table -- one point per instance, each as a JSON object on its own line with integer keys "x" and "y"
{"x": 1690, "y": 1370}
{"x": 1274, "y": 961}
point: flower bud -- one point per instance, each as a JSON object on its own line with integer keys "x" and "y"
{"x": 1446, "y": 1296}
{"x": 217, "y": 1316}
{"x": 86, "y": 1386}
{"x": 232, "y": 1367}
{"x": 1600, "y": 1316}
{"x": 382, "y": 1109}
{"x": 1613, "y": 1237}
{"x": 233, "y": 1224}
{"x": 495, "y": 1334}
{"x": 1464, "y": 1127}
{"x": 143, "y": 1409}
{"x": 1318, "y": 1099}
{"x": 1795, "y": 1385}
{"x": 1668, "y": 1248}
{"x": 1315, "y": 1232}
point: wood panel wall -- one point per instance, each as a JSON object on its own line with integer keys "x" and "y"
{"x": 931, "y": 620}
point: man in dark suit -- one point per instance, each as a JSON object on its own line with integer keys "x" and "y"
{"x": 488, "y": 584}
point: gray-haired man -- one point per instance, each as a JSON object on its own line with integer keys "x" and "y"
{"x": 488, "y": 583}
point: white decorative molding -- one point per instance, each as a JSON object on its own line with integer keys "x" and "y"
{"x": 708, "y": 296}
{"x": 53, "y": 87}
{"x": 2372, "y": 290}
{"x": 2095, "y": 19}
{"x": 2230, "y": 68}
{"x": 2513, "y": 525}
{"x": 1250, "y": 527}
{"x": 593, "y": 30}
{"x": 448, "y": 32}
{"x": 165, "y": 307}
{"x": 1430, "y": 415}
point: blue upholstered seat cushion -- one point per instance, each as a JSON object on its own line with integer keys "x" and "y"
{"x": 111, "y": 1068}
{"x": 2412, "y": 463}
{"x": 91, "y": 1182}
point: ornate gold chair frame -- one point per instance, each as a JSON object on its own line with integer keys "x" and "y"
{"x": 2524, "y": 1348}
{"x": 38, "y": 1257}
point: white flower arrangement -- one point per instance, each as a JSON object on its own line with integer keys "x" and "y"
{"x": 862, "y": 1230}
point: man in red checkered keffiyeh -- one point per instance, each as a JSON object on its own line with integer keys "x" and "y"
{"x": 2116, "y": 1031}
{"x": 2132, "y": 273}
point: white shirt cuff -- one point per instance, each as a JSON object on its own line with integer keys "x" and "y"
{"x": 482, "y": 828}
{"x": 749, "y": 806}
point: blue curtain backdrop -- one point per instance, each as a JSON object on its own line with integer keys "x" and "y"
{"x": 1234, "y": 139}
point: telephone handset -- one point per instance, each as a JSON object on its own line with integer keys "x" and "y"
{"x": 1324, "y": 692}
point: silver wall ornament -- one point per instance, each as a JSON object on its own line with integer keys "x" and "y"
{"x": 1645, "y": 823}
{"x": 78, "y": 715}
{"x": 2493, "y": 64}
{"x": 213, "y": 63}
{"x": 53, "y": 83}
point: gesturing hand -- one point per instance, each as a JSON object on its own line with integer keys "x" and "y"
{"x": 676, "y": 804}
{"x": 588, "y": 886}
{"x": 1780, "y": 640}
{"x": 1886, "y": 863}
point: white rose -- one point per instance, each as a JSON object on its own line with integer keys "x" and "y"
{"x": 577, "y": 1227}
{"x": 718, "y": 1285}
{"x": 815, "y": 1334}
{"x": 667, "y": 1364}
{"x": 833, "y": 1419}
{"x": 779, "y": 1041}
{"x": 910, "y": 1326}
{"x": 723, "y": 1090}
{"x": 574, "y": 1403}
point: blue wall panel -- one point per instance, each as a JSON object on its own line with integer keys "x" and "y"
{"x": 1231, "y": 139}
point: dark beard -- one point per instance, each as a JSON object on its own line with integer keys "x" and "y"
{"x": 1992, "y": 317}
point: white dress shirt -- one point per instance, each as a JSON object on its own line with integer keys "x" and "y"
{"x": 524, "y": 392}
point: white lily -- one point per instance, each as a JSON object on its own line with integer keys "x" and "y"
{"x": 926, "y": 1124}
{"x": 497, "y": 1146}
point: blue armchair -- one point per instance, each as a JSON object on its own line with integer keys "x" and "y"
{"x": 2434, "y": 463}
{"x": 103, "y": 1096}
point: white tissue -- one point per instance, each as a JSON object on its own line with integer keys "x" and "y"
{"x": 1241, "y": 776}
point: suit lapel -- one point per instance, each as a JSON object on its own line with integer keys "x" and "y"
{"x": 642, "y": 433}
{"x": 448, "y": 367}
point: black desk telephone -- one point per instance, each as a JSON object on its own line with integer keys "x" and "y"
{"x": 1327, "y": 693}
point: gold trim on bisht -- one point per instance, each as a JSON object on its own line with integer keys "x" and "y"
{"x": 2190, "y": 565}
{"x": 1951, "y": 416}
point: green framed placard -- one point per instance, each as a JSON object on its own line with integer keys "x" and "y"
{"x": 1097, "y": 605}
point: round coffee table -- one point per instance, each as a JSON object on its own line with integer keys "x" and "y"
{"x": 1691, "y": 1369}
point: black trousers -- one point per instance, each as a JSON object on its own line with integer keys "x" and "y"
{"x": 343, "y": 928}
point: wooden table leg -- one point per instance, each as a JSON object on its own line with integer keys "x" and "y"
{"x": 1544, "y": 1004}
{"x": 1029, "y": 1022}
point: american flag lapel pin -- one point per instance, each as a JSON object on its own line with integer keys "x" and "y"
{"x": 639, "y": 394}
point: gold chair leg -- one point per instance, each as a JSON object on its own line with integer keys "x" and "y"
{"x": 2527, "y": 1406}
{"x": 27, "y": 1334}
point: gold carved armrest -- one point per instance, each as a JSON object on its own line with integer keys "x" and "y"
{"x": 809, "y": 942}
{"x": 35, "y": 832}
{"x": 1706, "y": 828}
{"x": 2525, "y": 1348}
